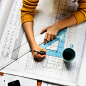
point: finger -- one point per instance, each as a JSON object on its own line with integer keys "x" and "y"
{"x": 54, "y": 36}
{"x": 43, "y": 30}
{"x": 34, "y": 56}
{"x": 44, "y": 50}
{"x": 40, "y": 56}
{"x": 45, "y": 38}
{"x": 51, "y": 37}
{"x": 48, "y": 37}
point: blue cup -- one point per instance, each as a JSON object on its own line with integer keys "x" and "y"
{"x": 69, "y": 54}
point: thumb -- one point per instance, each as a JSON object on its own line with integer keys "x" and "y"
{"x": 45, "y": 50}
{"x": 43, "y": 30}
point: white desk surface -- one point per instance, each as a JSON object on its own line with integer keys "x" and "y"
{"x": 4, "y": 80}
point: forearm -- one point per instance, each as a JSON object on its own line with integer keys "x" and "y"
{"x": 69, "y": 21}
{"x": 28, "y": 28}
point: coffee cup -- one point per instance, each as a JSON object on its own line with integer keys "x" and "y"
{"x": 68, "y": 54}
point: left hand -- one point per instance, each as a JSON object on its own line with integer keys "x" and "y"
{"x": 51, "y": 32}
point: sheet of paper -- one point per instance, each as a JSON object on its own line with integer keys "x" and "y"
{"x": 44, "y": 84}
{"x": 82, "y": 74}
{"x": 52, "y": 68}
{"x": 4, "y": 80}
{"x": 49, "y": 84}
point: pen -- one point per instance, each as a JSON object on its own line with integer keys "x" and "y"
{"x": 41, "y": 52}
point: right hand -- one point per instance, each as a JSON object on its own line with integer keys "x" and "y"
{"x": 38, "y": 48}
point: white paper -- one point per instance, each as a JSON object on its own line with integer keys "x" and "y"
{"x": 49, "y": 84}
{"x": 82, "y": 74}
{"x": 44, "y": 84}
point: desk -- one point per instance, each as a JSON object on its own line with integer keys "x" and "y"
{"x": 6, "y": 78}
{"x": 38, "y": 82}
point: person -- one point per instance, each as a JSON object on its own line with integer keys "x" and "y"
{"x": 27, "y": 11}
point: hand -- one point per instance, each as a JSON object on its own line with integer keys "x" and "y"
{"x": 38, "y": 48}
{"x": 51, "y": 32}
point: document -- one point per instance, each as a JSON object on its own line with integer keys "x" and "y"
{"x": 49, "y": 84}
{"x": 82, "y": 74}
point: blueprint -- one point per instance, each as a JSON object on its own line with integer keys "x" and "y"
{"x": 52, "y": 68}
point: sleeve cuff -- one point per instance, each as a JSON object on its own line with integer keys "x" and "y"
{"x": 26, "y": 18}
{"x": 80, "y": 17}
